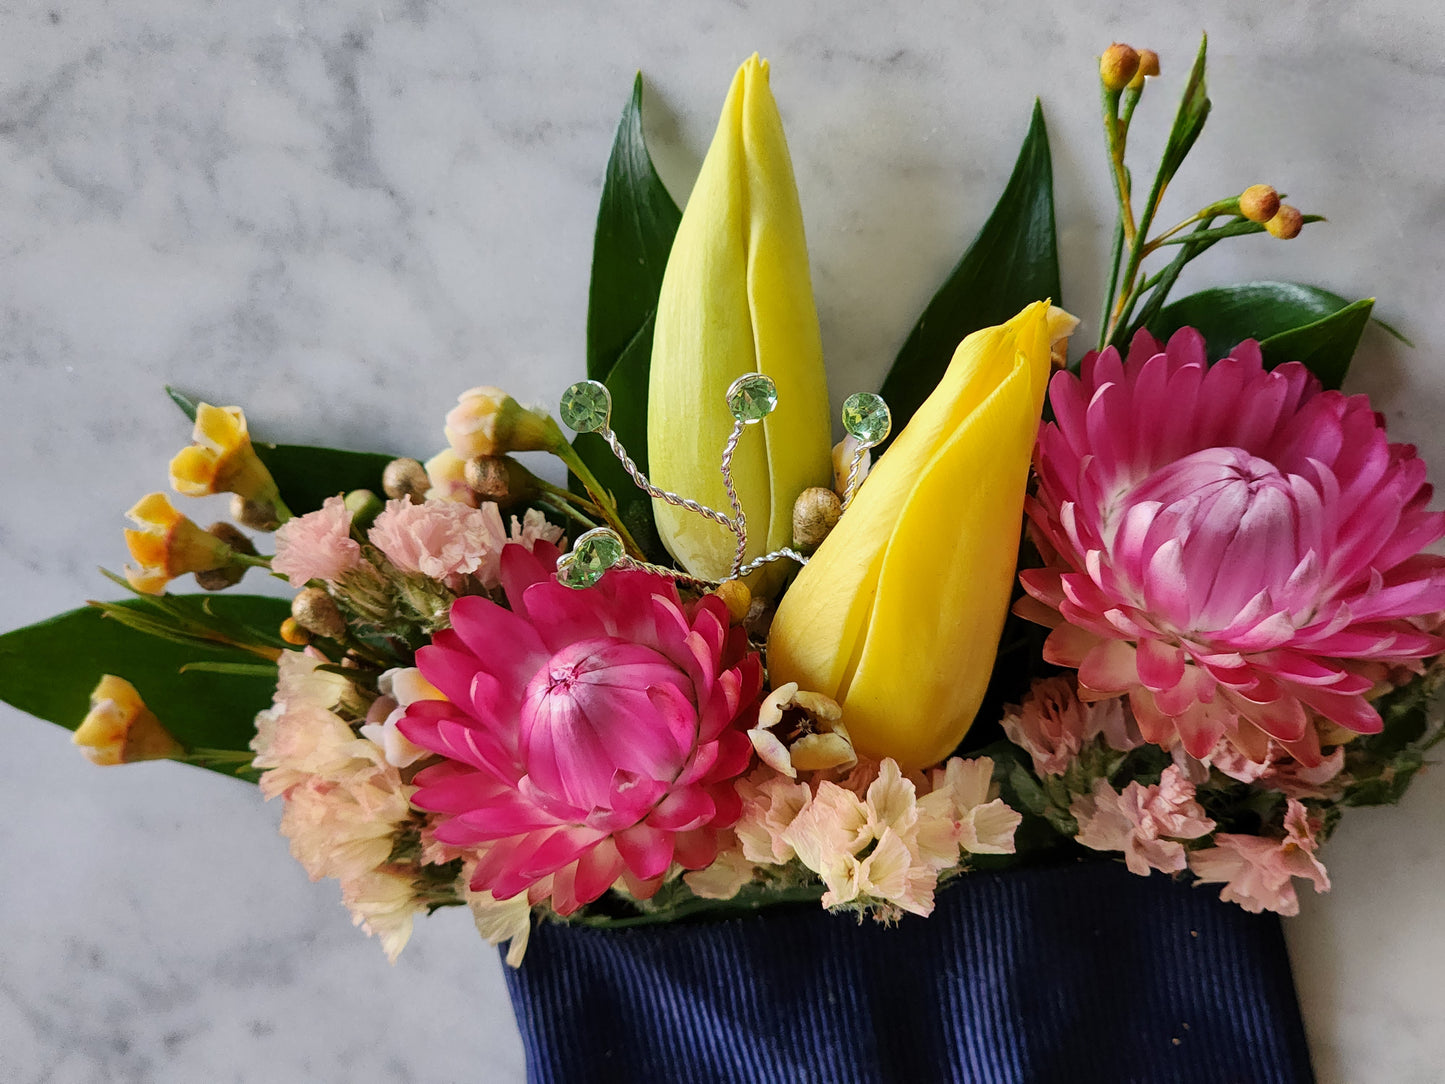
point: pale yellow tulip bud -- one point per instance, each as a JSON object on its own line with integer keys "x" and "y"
{"x": 898, "y": 614}
{"x": 120, "y": 729}
{"x": 736, "y": 298}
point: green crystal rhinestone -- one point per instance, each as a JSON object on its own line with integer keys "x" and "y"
{"x": 587, "y": 406}
{"x": 752, "y": 397}
{"x": 866, "y": 418}
{"x": 592, "y": 555}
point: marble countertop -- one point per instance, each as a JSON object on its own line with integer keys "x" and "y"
{"x": 340, "y": 215}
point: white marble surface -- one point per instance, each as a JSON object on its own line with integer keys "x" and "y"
{"x": 339, "y": 215}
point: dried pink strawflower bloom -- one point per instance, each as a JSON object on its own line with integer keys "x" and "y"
{"x": 588, "y": 736}
{"x": 1258, "y": 874}
{"x": 317, "y": 546}
{"x": 1236, "y": 549}
{"x": 1053, "y": 724}
{"x": 1145, "y": 822}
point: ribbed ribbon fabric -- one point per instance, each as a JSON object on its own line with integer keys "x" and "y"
{"x": 1080, "y": 974}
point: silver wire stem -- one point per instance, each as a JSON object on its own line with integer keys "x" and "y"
{"x": 777, "y": 555}
{"x": 739, "y": 522}
{"x": 851, "y": 486}
{"x": 661, "y": 494}
{"x": 669, "y": 573}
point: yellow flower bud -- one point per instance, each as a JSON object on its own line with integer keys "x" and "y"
{"x": 221, "y": 459}
{"x": 736, "y": 597}
{"x": 169, "y": 545}
{"x": 488, "y": 421}
{"x": 1286, "y": 223}
{"x": 736, "y": 298}
{"x": 1117, "y": 66}
{"x": 898, "y": 614}
{"x": 120, "y": 729}
{"x": 1259, "y": 203}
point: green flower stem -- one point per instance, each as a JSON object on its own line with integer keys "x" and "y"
{"x": 1115, "y": 138}
{"x": 1112, "y": 280}
{"x": 601, "y": 499}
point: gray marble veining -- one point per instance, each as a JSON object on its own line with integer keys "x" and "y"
{"x": 340, "y": 215}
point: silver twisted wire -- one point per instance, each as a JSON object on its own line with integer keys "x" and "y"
{"x": 661, "y": 494}
{"x": 669, "y": 573}
{"x": 850, "y": 488}
{"x": 739, "y": 523}
{"x": 777, "y": 555}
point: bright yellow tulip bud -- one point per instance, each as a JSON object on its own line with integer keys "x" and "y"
{"x": 898, "y": 614}
{"x": 221, "y": 459}
{"x": 120, "y": 729}
{"x": 736, "y": 298}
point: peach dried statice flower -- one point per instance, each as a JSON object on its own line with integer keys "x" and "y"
{"x": 1145, "y": 822}
{"x": 317, "y": 546}
{"x": 887, "y": 846}
{"x": 1280, "y": 771}
{"x": 1257, "y": 873}
{"x": 343, "y": 802}
{"x": 1053, "y": 724}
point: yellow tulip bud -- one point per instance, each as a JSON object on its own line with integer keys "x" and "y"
{"x": 897, "y": 616}
{"x": 120, "y": 729}
{"x": 221, "y": 459}
{"x": 736, "y": 298}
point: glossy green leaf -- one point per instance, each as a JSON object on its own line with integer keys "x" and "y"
{"x": 49, "y": 669}
{"x": 1012, "y": 262}
{"x": 636, "y": 222}
{"x": 1292, "y": 323}
{"x": 306, "y": 474}
{"x": 1325, "y": 347}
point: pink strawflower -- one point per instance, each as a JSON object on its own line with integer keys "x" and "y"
{"x": 1145, "y": 822}
{"x": 1258, "y": 874}
{"x": 1053, "y": 724}
{"x": 317, "y": 546}
{"x": 589, "y": 735}
{"x": 1235, "y": 548}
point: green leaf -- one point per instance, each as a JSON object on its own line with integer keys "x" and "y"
{"x": 1292, "y": 323}
{"x": 49, "y": 669}
{"x": 1188, "y": 123}
{"x": 636, "y": 222}
{"x": 1325, "y": 347}
{"x": 307, "y": 474}
{"x": 1012, "y": 262}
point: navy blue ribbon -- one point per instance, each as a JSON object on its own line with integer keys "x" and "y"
{"x": 1083, "y": 974}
